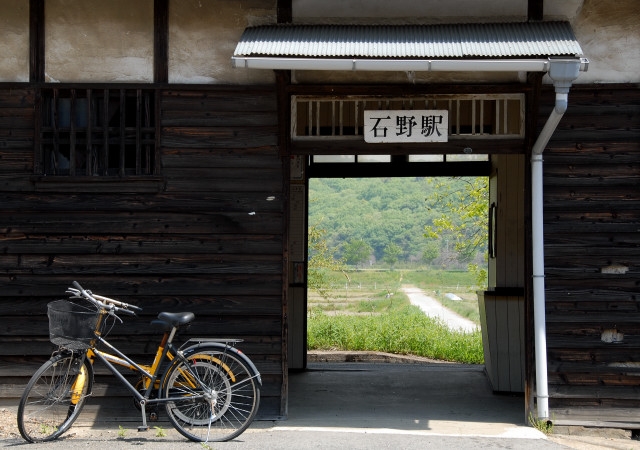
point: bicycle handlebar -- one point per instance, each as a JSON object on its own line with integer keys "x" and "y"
{"x": 104, "y": 302}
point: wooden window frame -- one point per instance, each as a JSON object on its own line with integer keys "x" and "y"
{"x": 97, "y": 134}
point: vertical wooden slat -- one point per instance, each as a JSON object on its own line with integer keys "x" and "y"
{"x": 56, "y": 131}
{"x": 158, "y": 128}
{"x": 357, "y": 114}
{"x": 38, "y": 164}
{"x": 138, "y": 131}
{"x": 123, "y": 118}
{"x": 473, "y": 117}
{"x": 284, "y": 11}
{"x": 287, "y": 109}
{"x": 105, "y": 132}
{"x": 333, "y": 118}
{"x": 147, "y": 124}
{"x": 89, "y": 133}
{"x": 161, "y": 41}
{"x": 515, "y": 342}
{"x": 535, "y": 9}
{"x": 72, "y": 133}
{"x": 36, "y": 41}
{"x": 310, "y": 119}
{"x": 506, "y": 115}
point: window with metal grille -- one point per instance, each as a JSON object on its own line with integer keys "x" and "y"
{"x": 497, "y": 116}
{"x": 97, "y": 132}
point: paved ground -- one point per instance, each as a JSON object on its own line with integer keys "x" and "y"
{"x": 434, "y": 308}
{"x": 368, "y": 405}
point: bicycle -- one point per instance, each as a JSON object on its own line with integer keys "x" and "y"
{"x": 210, "y": 389}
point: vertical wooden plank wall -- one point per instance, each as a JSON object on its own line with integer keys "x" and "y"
{"x": 502, "y": 305}
{"x": 508, "y": 190}
{"x": 592, "y": 255}
{"x": 208, "y": 240}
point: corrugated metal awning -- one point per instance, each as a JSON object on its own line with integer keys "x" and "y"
{"x": 378, "y": 47}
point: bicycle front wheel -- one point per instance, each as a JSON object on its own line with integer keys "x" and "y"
{"x": 213, "y": 398}
{"x": 54, "y": 397}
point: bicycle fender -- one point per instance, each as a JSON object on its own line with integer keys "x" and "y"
{"x": 224, "y": 348}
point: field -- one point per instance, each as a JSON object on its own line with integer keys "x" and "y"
{"x": 366, "y": 310}
{"x": 376, "y": 292}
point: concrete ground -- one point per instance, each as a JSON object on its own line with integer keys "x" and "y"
{"x": 408, "y": 404}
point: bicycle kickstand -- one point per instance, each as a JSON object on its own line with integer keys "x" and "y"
{"x": 144, "y": 426}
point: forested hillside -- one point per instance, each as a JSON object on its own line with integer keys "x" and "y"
{"x": 387, "y": 214}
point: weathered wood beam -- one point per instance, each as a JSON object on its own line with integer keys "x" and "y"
{"x": 284, "y": 10}
{"x": 36, "y": 41}
{"x": 161, "y": 41}
{"x": 535, "y": 10}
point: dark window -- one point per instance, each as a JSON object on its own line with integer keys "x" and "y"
{"x": 98, "y": 132}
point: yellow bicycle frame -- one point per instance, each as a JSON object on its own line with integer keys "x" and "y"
{"x": 147, "y": 372}
{"x": 81, "y": 379}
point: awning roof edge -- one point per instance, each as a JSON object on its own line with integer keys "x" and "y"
{"x": 401, "y": 65}
{"x": 503, "y": 47}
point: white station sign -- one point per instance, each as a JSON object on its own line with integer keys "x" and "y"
{"x": 429, "y": 125}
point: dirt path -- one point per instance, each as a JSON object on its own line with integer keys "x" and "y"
{"x": 434, "y": 308}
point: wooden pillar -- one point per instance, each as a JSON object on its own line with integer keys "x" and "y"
{"x": 161, "y": 41}
{"x": 36, "y": 41}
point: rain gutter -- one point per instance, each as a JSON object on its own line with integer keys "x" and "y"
{"x": 407, "y": 65}
{"x": 562, "y": 72}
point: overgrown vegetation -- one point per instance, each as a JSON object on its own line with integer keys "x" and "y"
{"x": 403, "y": 331}
{"x": 543, "y": 425}
{"x": 367, "y": 311}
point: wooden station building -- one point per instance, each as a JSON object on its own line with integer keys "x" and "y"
{"x": 159, "y": 151}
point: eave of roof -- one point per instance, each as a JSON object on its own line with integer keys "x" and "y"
{"x": 495, "y": 46}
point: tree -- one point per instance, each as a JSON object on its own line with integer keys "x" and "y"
{"x": 321, "y": 261}
{"x": 464, "y": 217}
{"x": 430, "y": 251}
{"x": 356, "y": 251}
{"x": 392, "y": 253}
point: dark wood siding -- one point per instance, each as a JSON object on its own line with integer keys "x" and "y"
{"x": 592, "y": 256}
{"x": 205, "y": 236}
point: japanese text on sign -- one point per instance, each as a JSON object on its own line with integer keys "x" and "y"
{"x": 406, "y": 126}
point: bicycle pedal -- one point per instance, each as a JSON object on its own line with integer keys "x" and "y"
{"x": 143, "y": 428}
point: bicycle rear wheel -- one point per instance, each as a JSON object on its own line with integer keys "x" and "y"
{"x": 214, "y": 398}
{"x": 54, "y": 397}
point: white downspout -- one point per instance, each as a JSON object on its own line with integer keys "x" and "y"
{"x": 563, "y": 73}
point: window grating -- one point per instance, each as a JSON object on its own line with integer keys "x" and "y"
{"x": 98, "y": 132}
{"x": 470, "y": 116}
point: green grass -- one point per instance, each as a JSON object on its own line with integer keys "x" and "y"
{"x": 402, "y": 331}
{"x": 359, "y": 315}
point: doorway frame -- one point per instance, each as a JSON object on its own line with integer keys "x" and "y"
{"x": 290, "y": 150}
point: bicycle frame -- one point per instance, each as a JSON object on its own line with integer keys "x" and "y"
{"x": 150, "y": 373}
